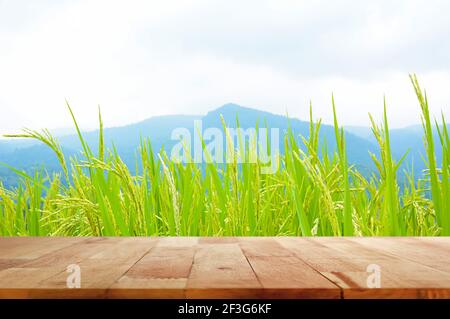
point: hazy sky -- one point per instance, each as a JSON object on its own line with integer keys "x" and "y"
{"x": 138, "y": 59}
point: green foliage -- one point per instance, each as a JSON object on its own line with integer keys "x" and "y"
{"x": 310, "y": 195}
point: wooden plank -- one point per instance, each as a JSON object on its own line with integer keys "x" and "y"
{"x": 126, "y": 249}
{"x": 25, "y": 278}
{"x": 440, "y": 241}
{"x": 71, "y": 254}
{"x": 162, "y": 273}
{"x": 101, "y": 269}
{"x": 400, "y": 278}
{"x": 222, "y": 271}
{"x": 33, "y": 247}
{"x": 10, "y": 263}
{"x": 289, "y": 277}
{"x": 431, "y": 252}
{"x": 177, "y": 242}
{"x": 148, "y": 288}
{"x": 281, "y": 274}
{"x": 170, "y": 262}
{"x": 217, "y": 240}
{"x": 263, "y": 247}
{"x": 49, "y": 260}
{"x": 225, "y": 267}
{"x": 306, "y": 249}
{"x": 101, "y": 262}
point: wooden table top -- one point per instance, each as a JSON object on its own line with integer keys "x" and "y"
{"x": 241, "y": 267}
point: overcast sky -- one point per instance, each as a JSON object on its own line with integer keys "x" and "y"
{"x": 139, "y": 59}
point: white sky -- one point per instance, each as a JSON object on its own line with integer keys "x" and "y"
{"x": 138, "y": 59}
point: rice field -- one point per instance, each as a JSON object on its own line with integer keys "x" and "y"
{"x": 310, "y": 195}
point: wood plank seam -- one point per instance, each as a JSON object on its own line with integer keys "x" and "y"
{"x": 253, "y": 269}
{"x": 108, "y": 289}
{"x": 271, "y": 258}
{"x": 85, "y": 240}
{"x": 185, "y": 290}
{"x": 162, "y": 271}
{"x": 397, "y": 256}
{"x": 411, "y": 289}
{"x": 259, "y": 267}
{"x": 341, "y": 289}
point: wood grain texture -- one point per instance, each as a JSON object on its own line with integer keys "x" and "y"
{"x": 230, "y": 267}
{"x": 222, "y": 271}
{"x": 400, "y": 277}
{"x": 283, "y": 275}
{"x": 161, "y": 273}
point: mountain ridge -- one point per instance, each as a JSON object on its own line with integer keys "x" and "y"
{"x": 27, "y": 155}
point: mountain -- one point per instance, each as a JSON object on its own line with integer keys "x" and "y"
{"x": 29, "y": 155}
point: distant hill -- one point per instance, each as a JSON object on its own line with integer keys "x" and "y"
{"x": 28, "y": 155}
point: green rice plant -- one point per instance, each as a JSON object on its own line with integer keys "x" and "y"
{"x": 315, "y": 192}
{"x": 344, "y": 166}
{"x": 388, "y": 188}
{"x": 439, "y": 179}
